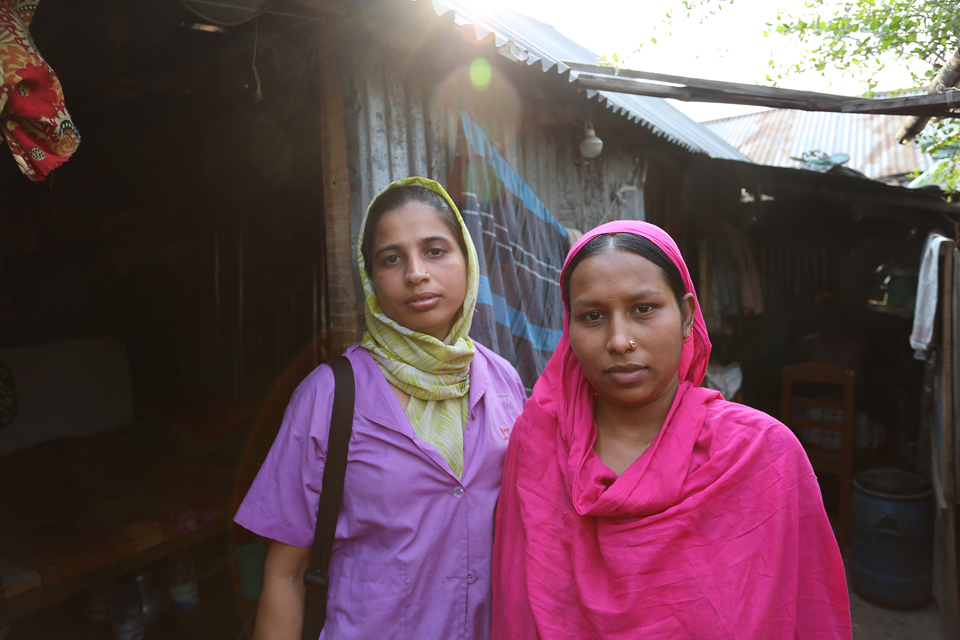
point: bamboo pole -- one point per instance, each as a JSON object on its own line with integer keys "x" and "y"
{"x": 948, "y": 76}
{"x": 937, "y": 105}
{"x": 697, "y": 90}
{"x": 703, "y": 94}
{"x": 716, "y": 85}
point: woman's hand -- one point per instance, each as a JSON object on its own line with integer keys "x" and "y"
{"x": 280, "y": 612}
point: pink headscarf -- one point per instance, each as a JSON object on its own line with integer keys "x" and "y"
{"x": 716, "y": 531}
{"x": 696, "y": 350}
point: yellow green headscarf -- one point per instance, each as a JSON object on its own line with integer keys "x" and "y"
{"x": 435, "y": 373}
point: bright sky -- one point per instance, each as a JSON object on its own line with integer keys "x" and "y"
{"x": 728, "y": 46}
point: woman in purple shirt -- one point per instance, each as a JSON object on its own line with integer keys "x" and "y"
{"x": 433, "y": 413}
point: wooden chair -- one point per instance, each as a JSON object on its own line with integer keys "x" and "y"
{"x": 825, "y": 393}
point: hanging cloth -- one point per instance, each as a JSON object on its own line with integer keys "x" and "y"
{"x": 520, "y": 248}
{"x": 925, "y": 315}
{"x": 33, "y": 117}
{"x": 751, "y": 293}
{"x": 718, "y": 278}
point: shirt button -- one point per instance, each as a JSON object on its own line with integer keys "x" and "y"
{"x": 458, "y": 492}
{"x": 471, "y": 577}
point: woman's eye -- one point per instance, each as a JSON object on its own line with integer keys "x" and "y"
{"x": 592, "y": 316}
{"x": 436, "y": 252}
{"x": 390, "y": 260}
{"x": 643, "y": 308}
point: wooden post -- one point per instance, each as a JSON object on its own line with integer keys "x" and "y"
{"x": 342, "y": 331}
{"x": 950, "y": 608}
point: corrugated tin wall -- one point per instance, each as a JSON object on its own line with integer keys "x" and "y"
{"x": 400, "y": 124}
{"x": 579, "y": 192}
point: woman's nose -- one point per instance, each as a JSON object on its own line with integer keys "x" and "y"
{"x": 417, "y": 271}
{"x": 620, "y": 340}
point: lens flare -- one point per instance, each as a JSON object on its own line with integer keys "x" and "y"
{"x": 495, "y": 105}
{"x": 481, "y": 74}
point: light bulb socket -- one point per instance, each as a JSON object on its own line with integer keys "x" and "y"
{"x": 591, "y": 145}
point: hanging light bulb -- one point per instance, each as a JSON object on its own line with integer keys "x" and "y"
{"x": 591, "y": 145}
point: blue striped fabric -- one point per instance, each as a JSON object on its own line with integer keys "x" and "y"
{"x": 520, "y": 248}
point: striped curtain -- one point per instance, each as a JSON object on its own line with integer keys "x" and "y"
{"x": 521, "y": 248}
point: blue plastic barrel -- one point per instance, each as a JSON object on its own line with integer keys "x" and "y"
{"x": 891, "y": 538}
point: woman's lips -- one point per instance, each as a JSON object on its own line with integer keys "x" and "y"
{"x": 423, "y": 301}
{"x": 625, "y": 373}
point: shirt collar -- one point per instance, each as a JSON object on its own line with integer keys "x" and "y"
{"x": 377, "y": 402}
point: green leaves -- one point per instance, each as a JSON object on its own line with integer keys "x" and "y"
{"x": 861, "y": 35}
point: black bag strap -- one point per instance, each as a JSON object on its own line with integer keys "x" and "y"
{"x": 316, "y": 579}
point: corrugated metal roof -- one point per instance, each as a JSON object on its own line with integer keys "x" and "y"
{"x": 532, "y": 41}
{"x": 772, "y": 137}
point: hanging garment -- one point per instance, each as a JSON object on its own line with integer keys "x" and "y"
{"x": 718, "y": 279}
{"x": 33, "y": 116}
{"x": 751, "y": 294}
{"x": 928, "y": 286}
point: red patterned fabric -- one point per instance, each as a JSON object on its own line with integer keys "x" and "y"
{"x": 33, "y": 117}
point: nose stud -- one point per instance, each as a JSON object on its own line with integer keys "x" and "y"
{"x": 633, "y": 345}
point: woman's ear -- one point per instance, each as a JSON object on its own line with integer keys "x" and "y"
{"x": 688, "y": 313}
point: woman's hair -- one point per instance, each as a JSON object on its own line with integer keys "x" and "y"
{"x": 627, "y": 242}
{"x": 399, "y": 197}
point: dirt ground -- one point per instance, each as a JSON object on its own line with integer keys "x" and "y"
{"x": 871, "y": 622}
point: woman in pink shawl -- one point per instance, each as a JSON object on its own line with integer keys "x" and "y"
{"x": 638, "y": 505}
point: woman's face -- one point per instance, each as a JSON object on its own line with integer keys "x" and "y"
{"x": 617, "y": 297}
{"x": 418, "y": 271}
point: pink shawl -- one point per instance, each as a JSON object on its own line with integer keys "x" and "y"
{"x": 717, "y": 531}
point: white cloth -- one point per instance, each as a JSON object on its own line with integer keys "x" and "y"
{"x": 724, "y": 378}
{"x": 925, "y": 314}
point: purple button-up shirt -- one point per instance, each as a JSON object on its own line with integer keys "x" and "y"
{"x": 412, "y": 555}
